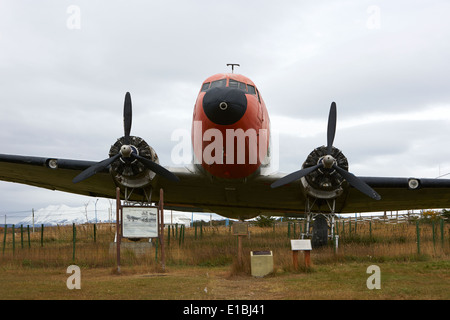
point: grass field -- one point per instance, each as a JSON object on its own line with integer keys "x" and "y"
{"x": 202, "y": 264}
{"x": 399, "y": 280}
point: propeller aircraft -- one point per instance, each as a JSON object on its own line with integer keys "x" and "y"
{"x": 229, "y": 172}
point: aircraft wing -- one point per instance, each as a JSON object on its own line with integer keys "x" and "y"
{"x": 198, "y": 192}
{"x": 194, "y": 192}
{"x": 256, "y": 195}
{"x": 55, "y": 174}
{"x": 399, "y": 194}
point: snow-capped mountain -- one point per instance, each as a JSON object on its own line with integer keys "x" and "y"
{"x": 100, "y": 212}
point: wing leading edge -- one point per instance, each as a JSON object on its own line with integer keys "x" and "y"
{"x": 240, "y": 199}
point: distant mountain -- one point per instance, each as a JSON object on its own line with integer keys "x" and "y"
{"x": 104, "y": 211}
{"x": 61, "y": 215}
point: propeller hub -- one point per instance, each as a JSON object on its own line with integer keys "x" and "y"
{"x": 128, "y": 171}
{"x": 328, "y": 161}
{"x": 325, "y": 178}
{"x": 126, "y": 151}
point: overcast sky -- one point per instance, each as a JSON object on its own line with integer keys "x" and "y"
{"x": 65, "y": 67}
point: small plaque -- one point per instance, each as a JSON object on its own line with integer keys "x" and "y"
{"x": 261, "y": 253}
{"x": 240, "y": 228}
{"x": 297, "y": 245}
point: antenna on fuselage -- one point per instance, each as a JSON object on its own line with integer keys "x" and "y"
{"x": 232, "y": 66}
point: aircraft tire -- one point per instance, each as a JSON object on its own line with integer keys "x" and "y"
{"x": 320, "y": 232}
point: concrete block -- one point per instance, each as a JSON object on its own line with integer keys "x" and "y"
{"x": 261, "y": 263}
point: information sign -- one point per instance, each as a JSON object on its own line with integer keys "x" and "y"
{"x": 140, "y": 222}
{"x": 240, "y": 228}
{"x": 300, "y": 245}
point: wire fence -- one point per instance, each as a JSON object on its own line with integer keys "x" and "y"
{"x": 206, "y": 243}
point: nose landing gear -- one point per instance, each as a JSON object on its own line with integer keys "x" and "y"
{"x": 322, "y": 223}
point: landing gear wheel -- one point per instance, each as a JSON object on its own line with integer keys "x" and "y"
{"x": 320, "y": 232}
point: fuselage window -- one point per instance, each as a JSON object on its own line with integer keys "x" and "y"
{"x": 205, "y": 86}
{"x": 219, "y": 83}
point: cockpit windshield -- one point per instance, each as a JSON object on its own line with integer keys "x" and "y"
{"x": 219, "y": 83}
{"x": 237, "y": 85}
{"x": 214, "y": 84}
{"x": 205, "y": 86}
{"x": 232, "y": 84}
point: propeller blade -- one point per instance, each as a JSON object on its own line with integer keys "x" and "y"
{"x": 127, "y": 117}
{"x": 95, "y": 168}
{"x": 357, "y": 183}
{"x": 156, "y": 168}
{"x": 332, "y": 118}
{"x": 294, "y": 176}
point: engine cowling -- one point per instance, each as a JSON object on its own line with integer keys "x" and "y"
{"x": 130, "y": 172}
{"x": 324, "y": 183}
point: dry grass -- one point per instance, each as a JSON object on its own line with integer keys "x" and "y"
{"x": 204, "y": 266}
{"x": 217, "y": 246}
{"x": 399, "y": 280}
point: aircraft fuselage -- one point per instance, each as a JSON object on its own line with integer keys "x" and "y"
{"x": 230, "y": 128}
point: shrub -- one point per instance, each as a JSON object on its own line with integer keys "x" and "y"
{"x": 264, "y": 221}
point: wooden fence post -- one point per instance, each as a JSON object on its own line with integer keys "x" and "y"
{"x": 240, "y": 250}
{"x": 179, "y": 239}
{"x": 29, "y": 239}
{"x": 42, "y": 235}
{"x": 195, "y": 234}
{"x": 307, "y": 258}
{"x": 168, "y": 234}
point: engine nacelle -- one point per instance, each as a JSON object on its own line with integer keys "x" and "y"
{"x": 132, "y": 173}
{"x": 324, "y": 183}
